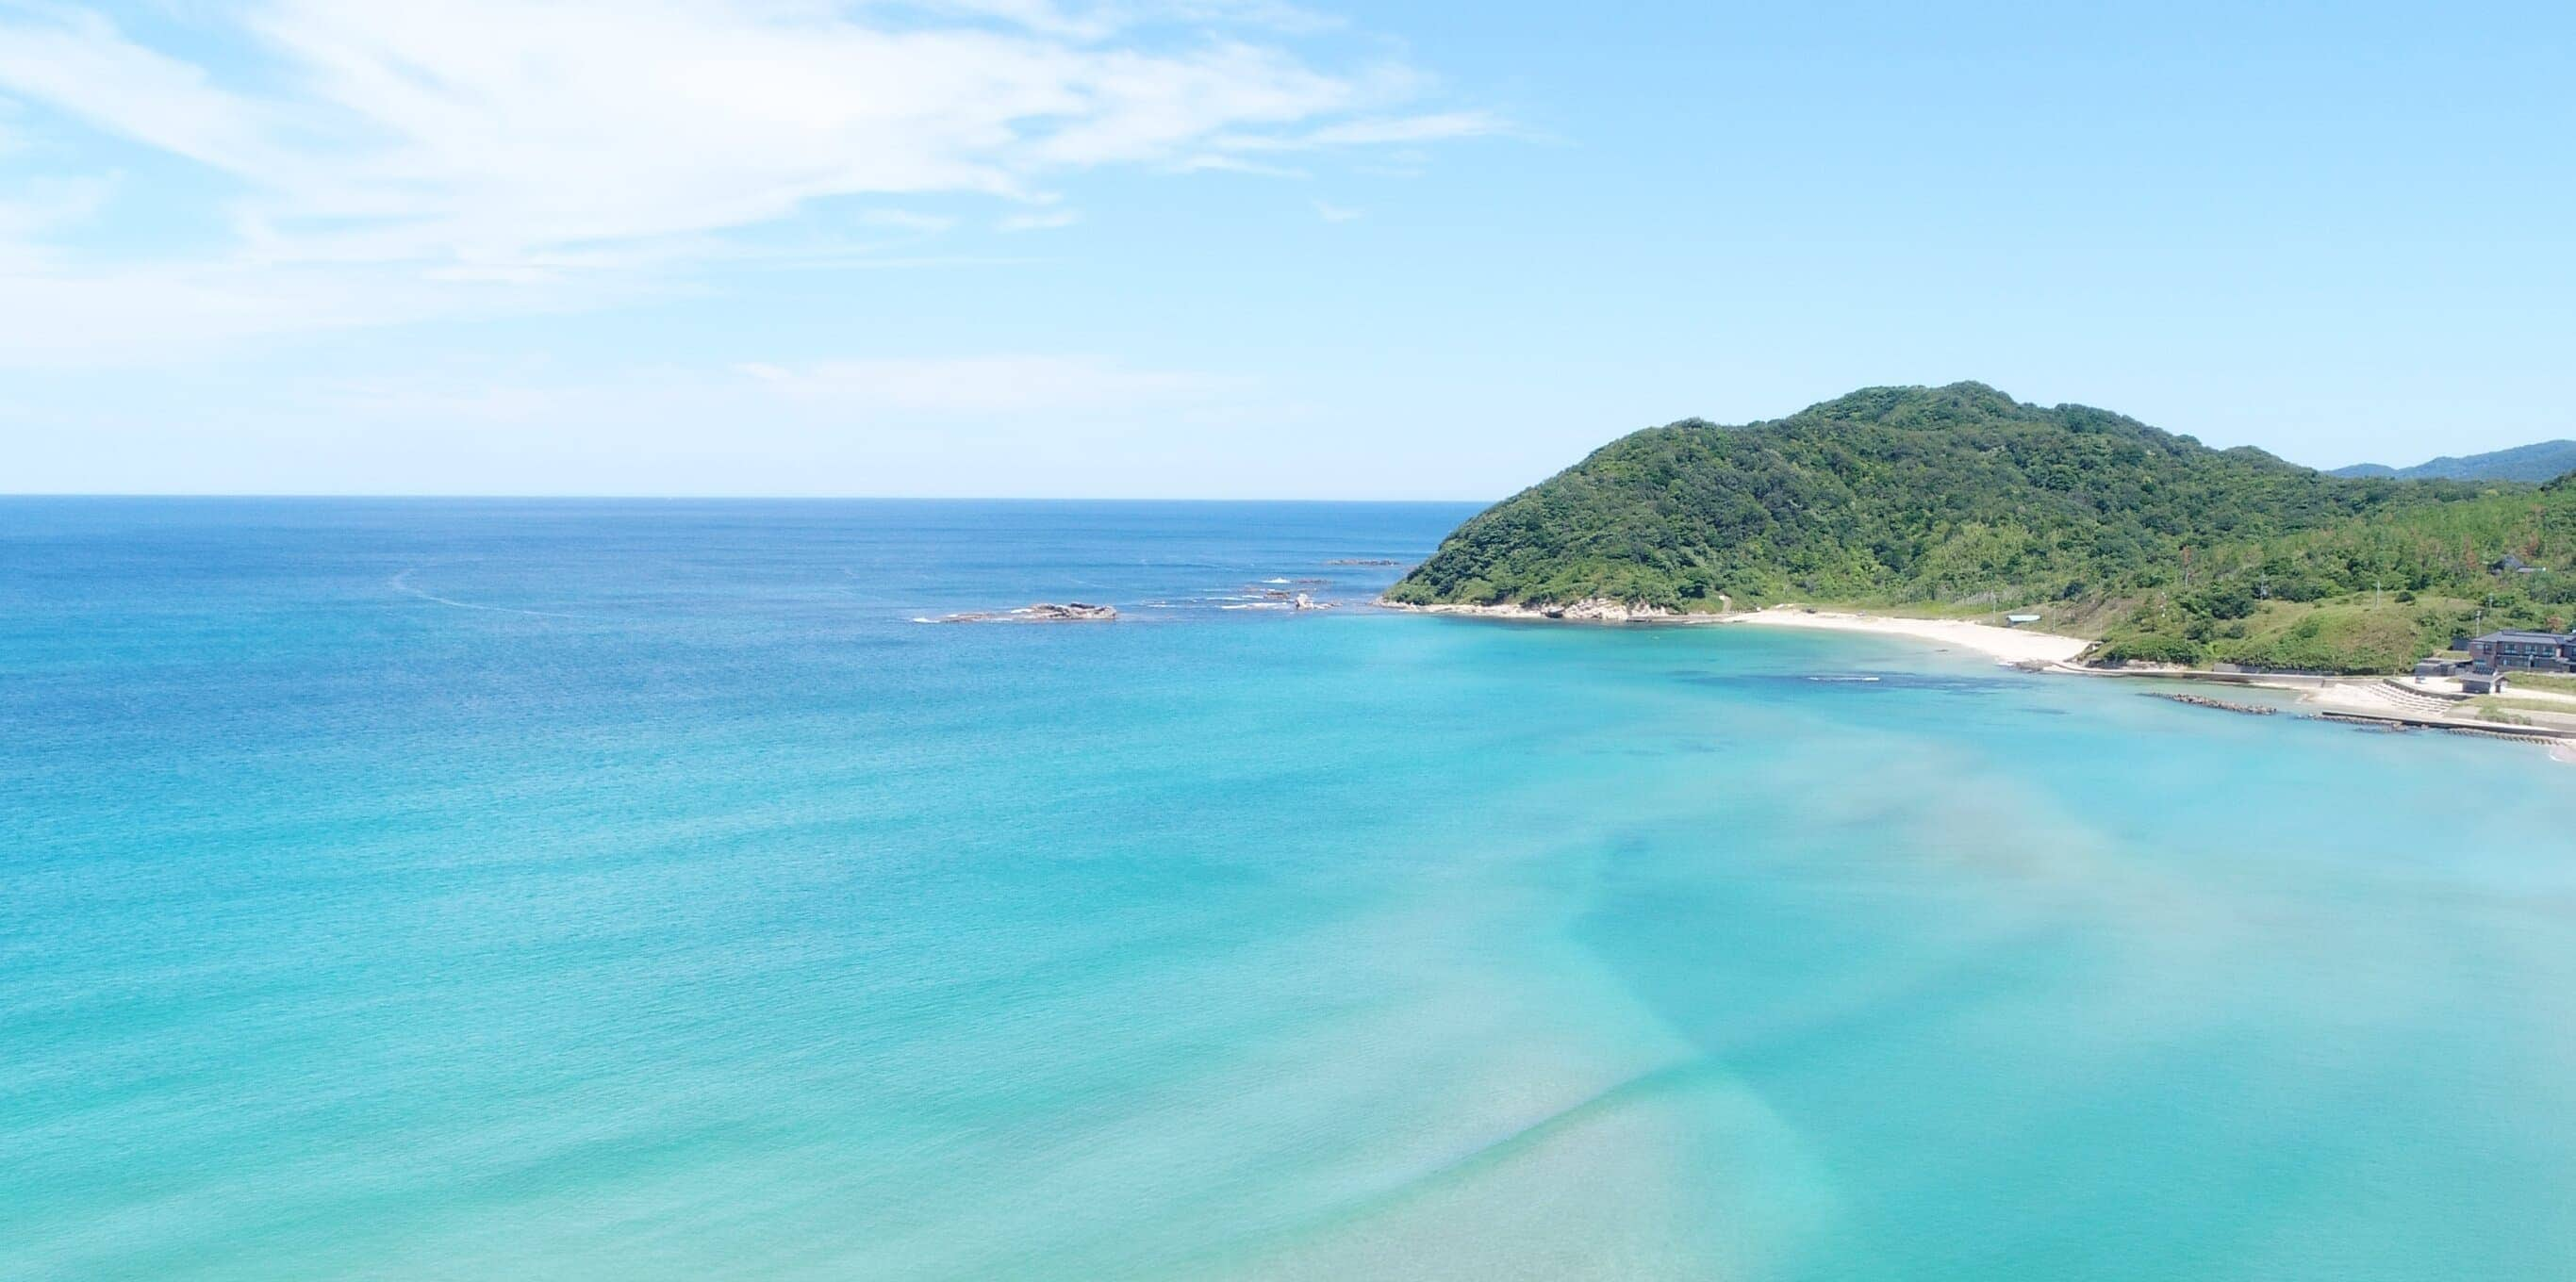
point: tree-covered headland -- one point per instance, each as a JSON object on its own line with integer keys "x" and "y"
{"x": 1960, "y": 500}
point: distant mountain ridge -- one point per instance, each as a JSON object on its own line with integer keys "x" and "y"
{"x": 2545, "y": 461}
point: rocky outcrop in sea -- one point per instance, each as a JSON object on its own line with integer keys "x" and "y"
{"x": 1042, "y": 612}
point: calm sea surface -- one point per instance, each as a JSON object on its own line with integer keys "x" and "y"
{"x": 480, "y": 890}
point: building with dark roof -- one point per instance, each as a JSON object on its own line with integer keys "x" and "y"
{"x": 2528, "y": 651}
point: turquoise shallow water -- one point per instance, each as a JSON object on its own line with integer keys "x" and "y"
{"x": 602, "y": 890}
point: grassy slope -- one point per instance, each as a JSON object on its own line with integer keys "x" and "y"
{"x": 2546, "y": 681}
{"x": 2356, "y": 634}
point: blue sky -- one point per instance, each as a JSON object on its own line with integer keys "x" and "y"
{"x": 1210, "y": 248}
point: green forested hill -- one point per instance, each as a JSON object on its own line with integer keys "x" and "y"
{"x": 1933, "y": 498}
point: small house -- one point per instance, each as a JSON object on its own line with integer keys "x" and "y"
{"x": 2484, "y": 683}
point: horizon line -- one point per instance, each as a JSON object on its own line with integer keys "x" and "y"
{"x": 705, "y": 498}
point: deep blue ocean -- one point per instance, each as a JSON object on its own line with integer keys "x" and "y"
{"x": 635, "y": 890}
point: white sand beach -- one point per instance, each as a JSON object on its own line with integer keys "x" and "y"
{"x": 2010, "y": 645}
{"x": 2007, "y": 645}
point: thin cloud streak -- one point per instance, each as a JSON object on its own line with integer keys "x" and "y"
{"x": 1038, "y": 222}
{"x": 413, "y": 153}
{"x": 987, "y": 385}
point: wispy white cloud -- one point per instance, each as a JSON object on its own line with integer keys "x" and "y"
{"x": 907, "y": 220}
{"x": 1046, "y": 221}
{"x": 1438, "y": 127}
{"x": 1370, "y": 131}
{"x": 1096, "y": 21}
{"x": 1238, "y": 165}
{"x": 986, "y": 384}
{"x": 530, "y": 422}
{"x": 1333, "y": 213}
{"x": 62, "y": 315}
{"x": 389, "y": 160}
{"x": 46, "y": 204}
{"x": 78, "y": 62}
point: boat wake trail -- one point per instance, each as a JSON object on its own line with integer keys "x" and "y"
{"x": 402, "y": 583}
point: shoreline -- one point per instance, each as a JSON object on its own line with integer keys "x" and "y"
{"x": 2004, "y": 645}
{"x": 2351, "y": 699}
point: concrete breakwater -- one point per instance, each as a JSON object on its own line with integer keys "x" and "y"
{"x": 2204, "y": 701}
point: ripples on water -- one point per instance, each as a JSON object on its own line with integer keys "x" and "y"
{"x": 677, "y": 908}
